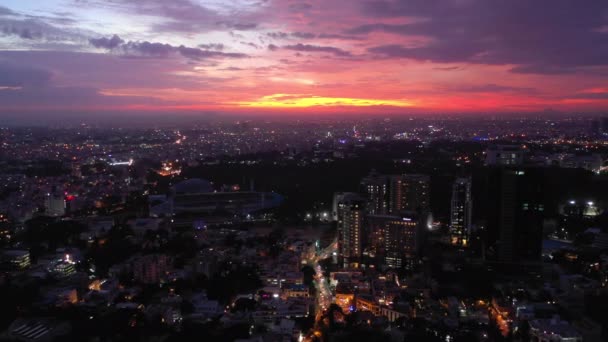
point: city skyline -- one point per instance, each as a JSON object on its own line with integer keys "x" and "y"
{"x": 299, "y": 57}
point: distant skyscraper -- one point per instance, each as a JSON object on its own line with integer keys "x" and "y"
{"x": 504, "y": 155}
{"x": 54, "y": 205}
{"x": 595, "y": 127}
{"x": 151, "y": 269}
{"x": 460, "y": 213}
{"x": 515, "y": 215}
{"x": 375, "y": 186}
{"x": 409, "y": 192}
{"x": 604, "y": 126}
{"x": 396, "y": 239}
{"x": 351, "y": 212}
{"x": 76, "y": 171}
{"x": 341, "y": 198}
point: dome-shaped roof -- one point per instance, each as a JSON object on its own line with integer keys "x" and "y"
{"x": 193, "y": 186}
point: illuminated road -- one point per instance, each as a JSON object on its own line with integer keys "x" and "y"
{"x": 324, "y": 297}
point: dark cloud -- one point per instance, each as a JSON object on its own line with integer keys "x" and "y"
{"x": 146, "y": 48}
{"x": 591, "y": 96}
{"x": 194, "y": 53}
{"x": 451, "y": 68}
{"x": 106, "y": 43}
{"x": 212, "y": 46}
{"x": 300, "y": 7}
{"x": 65, "y": 98}
{"x": 316, "y": 48}
{"x": 543, "y": 36}
{"x": 161, "y": 50}
{"x": 285, "y": 35}
{"x": 21, "y": 30}
{"x": 339, "y": 36}
{"x": 178, "y": 15}
{"x": 369, "y": 28}
{"x": 539, "y": 68}
{"x": 41, "y": 31}
{"x": 253, "y": 45}
{"x": 6, "y": 11}
{"x": 272, "y": 47}
{"x": 303, "y": 35}
{"x": 104, "y": 70}
{"x": 449, "y": 53}
{"x": 20, "y": 76}
{"x": 57, "y": 19}
{"x": 35, "y": 87}
{"x": 277, "y": 35}
{"x": 243, "y": 27}
{"x": 495, "y": 88}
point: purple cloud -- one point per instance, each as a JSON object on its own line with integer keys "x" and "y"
{"x": 495, "y": 88}
{"x": 160, "y": 50}
{"x": 23, "y": 29}
{"x": 106, "y": 43}
{"x": 179, "y": 15}
{"x": 316, "y": 48}
{"x": 194, "y": 53}
{"x": 277, "y": 35}
{"x": 19, "y": 76}
{"x": 339, "y": 36}
{"x": 6, "y": 11}
{"x": 250, "y": 44}
{"x": 285, "y": 35}
{"x": 212, "y": 46}
{"x": 146, "y": 48}
{"x": 242, "y": 27}
{"x": 303, "y": 35}
{"x": 544, "y": 36}
{"x": 300, "y": 7}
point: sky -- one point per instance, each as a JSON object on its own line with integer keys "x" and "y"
{"x": 291, "y": 56}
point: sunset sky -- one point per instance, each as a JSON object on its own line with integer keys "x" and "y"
{"x": 384, "y": 56}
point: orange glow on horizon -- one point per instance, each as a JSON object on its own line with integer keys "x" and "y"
{"x": 305, "y": 101}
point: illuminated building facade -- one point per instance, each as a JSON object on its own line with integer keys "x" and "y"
{"x": 350, "y": 229}
{"x": 376, "y": 189}
{"x": 395, "y": 239}
{"x": 460, "y": 212}
{"x": 409, "y": 192}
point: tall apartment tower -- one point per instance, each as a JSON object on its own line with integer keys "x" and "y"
{"x": 409, "y": 192}
{"x": 395, "y": 239}
{"x": 351, "y": 212}
{"x": 376, "y": 189}
{"x": 504, "y": 155}
{"x": 460, "y": 212}
{"x": 54, "y": 204}
{"x": 515, "y": 213}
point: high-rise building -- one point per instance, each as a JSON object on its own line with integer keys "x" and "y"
{"x": 460, "y": 212}
{"x": 351, "y": 212}
{"x": 76, "y": 171}
{"x": 515, "y": 213}
{"x": 507, "y": 155}
{"x": 54, "y": 205}
{"x": 341, "y": 198}
{"x": 16, "y": 258}
{"x": 376, "y": 188}
{"x": 396, "y": 239}
{"x": 409, "y": 192}
{"x": 151, "y": 269}
{"x": 603, "y": 125}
